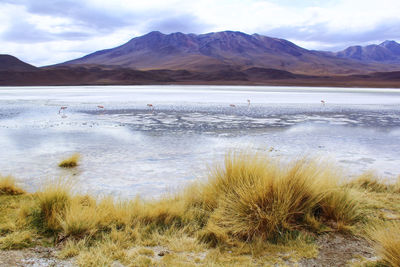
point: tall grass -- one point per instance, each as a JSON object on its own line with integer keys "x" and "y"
{"x": 250, "y": 196}
{"x": 397, "y": 185}
{"x": 16, "y": 240}
{"x": 53, "y": 201}
{"x": 86, "y": 216}
{"x": 78, "y": 220}
{"x": 370, "y": 182}
{"x": 248, "y": 202}
{"x": 253, "y": 196}
{"x": 387, "y": 242}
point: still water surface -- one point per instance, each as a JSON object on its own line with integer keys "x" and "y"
{"x": 129, "y": 148}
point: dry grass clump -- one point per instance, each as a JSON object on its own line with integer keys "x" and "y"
{"x": 16, "y": 240}
{"x": 70, "y": 162}
{"x": 397, "y": 185}
{"x": 370, "y": 182}
{"x": 252, "y": 196}
{"x": 386, "y": 239}
{"x": 69, "y": 215}
{"x": 94, "y": 256}
{"x": 72, "y": 248}
{"x": 52, "y": 203}
{"x": 78, "y": 220}
{"x": 8, "y": 186}
{"x": 86, "y": 216}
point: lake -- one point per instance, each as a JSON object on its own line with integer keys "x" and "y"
{"x": 130, "y": 148}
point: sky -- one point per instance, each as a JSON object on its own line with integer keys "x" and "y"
{"x": 44, "y": 32}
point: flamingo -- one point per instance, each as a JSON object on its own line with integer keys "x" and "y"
{"x": 100, "y": 106}
{"x": 150, "y": 106}
{"x": 62, "y": 108}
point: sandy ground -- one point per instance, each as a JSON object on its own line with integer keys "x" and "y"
{"x": 37, "y": 257}
{"x": 335, "y": 250}
{"x": 340, "y": 250}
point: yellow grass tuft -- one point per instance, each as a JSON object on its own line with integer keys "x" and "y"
{"x": 369, "y": 181}
{"x": 93, "y": 257}
{"x": 72, "y": 248}
{"x": 116, "y": 213}
{"x": 53, "y": 201}
{"x": 8, "y": 186}
{"x": 70, "y": 162}
{"x": 387, "y": 243}
{"x": 78, "y": 220}
{"x": 397, "y": 185}
{"x": 16, "y": 240}
{"x": 252, "y": 196}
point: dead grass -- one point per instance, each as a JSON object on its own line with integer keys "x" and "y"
{"x": 16, "y": 240}
{"x": 251, "y": 211}
{"x": 8, "y": 186}
{"x": 253, "y": 197}
{"x": 370, "y": 182}
{"x": 70, "y": 162}
{"x": 386, "y": 238}
{"x": 78, "y": 220}
{"x": 397, "y": 185}
{"x": 53, "y": 201}
{"x": 72, "y": 248}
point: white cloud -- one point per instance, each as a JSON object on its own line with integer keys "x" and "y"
{"x": 43, "y": 32}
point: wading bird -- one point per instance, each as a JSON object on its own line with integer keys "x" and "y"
{"x": 62, "y": 108}
{"x": 248, "y": 102}
{"x": 150, "y": 106}
{"x": 323, "y": 102}
{"x": 100, "y": 106}
{"x": 232, "y": 105}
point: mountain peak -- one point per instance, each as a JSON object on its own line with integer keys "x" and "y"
{"x": 152, "y": 33}
{"x": 392, "y": 46}
{"x": 389, "y": 42}
{"x": 387, "y": 51}
{"x": 229, "y": 33}
{"x": 11, "y": 63}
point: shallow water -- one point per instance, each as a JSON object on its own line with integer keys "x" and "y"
{"x": 129, "y": 148}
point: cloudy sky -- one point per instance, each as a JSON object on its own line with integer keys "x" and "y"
{"x": 44, "y": 32}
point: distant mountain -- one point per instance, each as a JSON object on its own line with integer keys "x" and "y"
{"x": 10, "y": 63}
{"x": 225, "y": 50}
{"x": 388, "y": 51}
{"x": 215, "y": 58}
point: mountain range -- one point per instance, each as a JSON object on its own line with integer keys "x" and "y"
{"x": 239, "y": 51}
{"x": 220, "y": 57}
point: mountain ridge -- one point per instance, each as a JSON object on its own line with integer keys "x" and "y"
{"x": 226, "y": 50}
{"x": 11, "y": 63}
{"x": 387, "y": 51}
